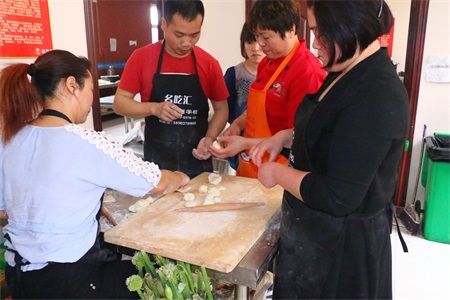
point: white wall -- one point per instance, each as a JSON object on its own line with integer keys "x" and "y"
{"x": 69, "y": 31}
{"x": 221, "y": 30}
{"x": 400, "y": 9}
{"x": 434, "y": 98}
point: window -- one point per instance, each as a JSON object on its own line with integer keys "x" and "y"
{"x": 154, "y": 21}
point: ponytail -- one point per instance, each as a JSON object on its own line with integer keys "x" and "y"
{"x": 20, "y": 103}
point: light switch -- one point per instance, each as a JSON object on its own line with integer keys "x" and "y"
{"x": 112, "y": 45}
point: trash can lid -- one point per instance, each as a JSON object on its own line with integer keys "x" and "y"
{"x": 438, "y": 147}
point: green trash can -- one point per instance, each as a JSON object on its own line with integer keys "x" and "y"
{"x": 436, "y": 180}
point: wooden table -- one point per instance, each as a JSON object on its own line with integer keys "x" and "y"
{"x": 236, "y": 245}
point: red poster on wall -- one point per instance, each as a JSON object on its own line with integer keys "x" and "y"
{"x": 387, "y": 40}
{"x": 25, "y": 28}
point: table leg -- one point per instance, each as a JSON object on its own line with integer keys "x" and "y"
{"x": 241, "y": 292}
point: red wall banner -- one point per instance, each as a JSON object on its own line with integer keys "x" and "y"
{"x": 24, "y": 28}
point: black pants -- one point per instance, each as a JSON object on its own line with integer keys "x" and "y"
{"x": 73, "y": 281}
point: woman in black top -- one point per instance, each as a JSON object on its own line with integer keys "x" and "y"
{"x": 345, "y": 150}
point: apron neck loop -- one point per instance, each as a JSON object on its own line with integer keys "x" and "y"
{"x": 161, "y": 54}
{"x": 55, "y": 113}
{"x": 283, "y": 64}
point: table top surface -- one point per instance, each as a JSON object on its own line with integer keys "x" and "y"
{"x": 218, "y": 240}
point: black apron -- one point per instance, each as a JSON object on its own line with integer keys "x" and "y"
{"x": 100, "y": 254}
{"x": 170, "y": 144}
{"x": 326, "y": 257}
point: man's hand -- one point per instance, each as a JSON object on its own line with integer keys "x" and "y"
{"x": 167, "y": 111}
{"x": 202, "y": 150}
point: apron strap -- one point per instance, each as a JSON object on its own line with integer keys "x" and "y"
{"x": 160, "y": 58}
{"x": 19, "y": 260}
{"x": 283, "y": 64}
{"x": 400, "y": 236}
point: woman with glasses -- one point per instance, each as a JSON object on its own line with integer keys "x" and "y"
{"x": 287, "y": 73}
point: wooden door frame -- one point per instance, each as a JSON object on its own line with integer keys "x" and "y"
{"x": 416, "y": 43}
{"x": 92, "y": 46}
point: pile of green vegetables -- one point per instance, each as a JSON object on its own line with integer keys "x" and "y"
{"x": 166, "y": 279}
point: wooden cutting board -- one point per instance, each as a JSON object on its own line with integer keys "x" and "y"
{"x": 218, "y": 240}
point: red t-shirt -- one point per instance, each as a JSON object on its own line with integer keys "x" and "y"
{"x": 137, "y": 77}
{"x": 302, "y": 75}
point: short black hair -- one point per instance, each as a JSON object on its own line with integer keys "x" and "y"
{"x": 276, "y": 15}
{"x": 188, "y": 9}
{"x": 246, "y": 36}
{"x": 350, "y": 24}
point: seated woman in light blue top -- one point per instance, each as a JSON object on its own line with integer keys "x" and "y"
{"x": 53, "y": 174}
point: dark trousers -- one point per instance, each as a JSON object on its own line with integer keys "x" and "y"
{"x": 72, "y": 281}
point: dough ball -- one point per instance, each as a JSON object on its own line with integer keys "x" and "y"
{"x": 190, "y": 204}
{"x": 184, "y": 189}
{"x": 214, "y": 178}
{"x": 203, "y": 189}
{"x": 209, "y": 199}
{"x": 217, "y": 145}
{"x": 108, "y": 199}
{"x": 189, "y": 197}
{"x": 214, "y": 191}
{"x": 217, "y": 200}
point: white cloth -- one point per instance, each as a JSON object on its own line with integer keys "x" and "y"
{"x": 51, "y": 181}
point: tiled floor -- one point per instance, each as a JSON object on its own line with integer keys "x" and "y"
{"x": 422, "y": 273}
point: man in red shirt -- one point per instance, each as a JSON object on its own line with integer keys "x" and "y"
{"x": 175, "y": 79}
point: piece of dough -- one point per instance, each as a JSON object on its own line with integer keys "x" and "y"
{"x": 138, "y": 206}
{"x": 108, "y": 199}
{"x": 189, "y": 197}
{"x": 141, "y": 203}
{"x": 150, "y": 199}
{"x": 132, "y": 208}
{"x": 209, "y": 199}
{"x": 190, "y": 204}
{"x": 203, "y": 189}
{"x": 214, "y": 178}
{"x": 217, "y": 200}
{"x": 217, "y": 145}
{"x": 214, "y": 191}
{"x": 221, "y": 188}
{"x": 184, "y": 189}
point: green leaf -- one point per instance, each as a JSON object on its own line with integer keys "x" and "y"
{"x": 207, "y": 283}
{"x": 149, "y": 267}
{"x": 199, "y": 282}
